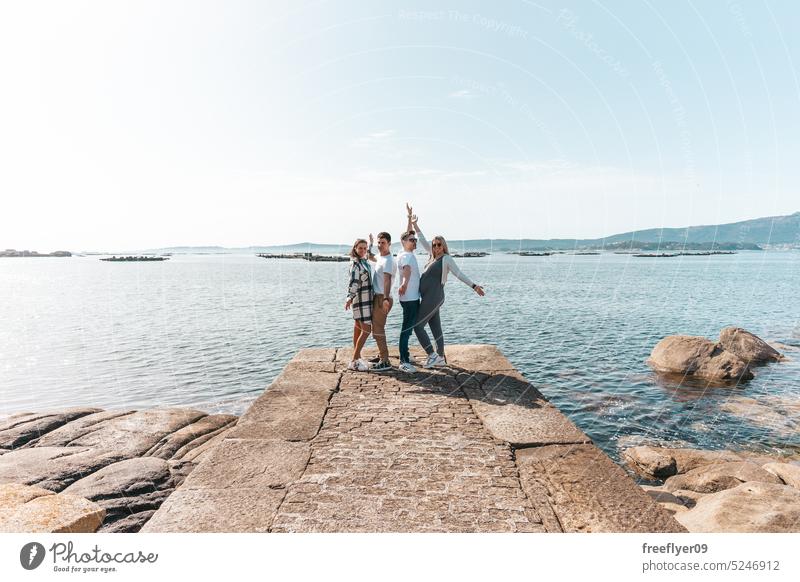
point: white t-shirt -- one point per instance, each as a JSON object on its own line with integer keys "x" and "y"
{"x": 383, "y": 265}
{"x": 412, "y": 290}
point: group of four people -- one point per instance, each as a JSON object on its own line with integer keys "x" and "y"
{"x": 421, "y": 295}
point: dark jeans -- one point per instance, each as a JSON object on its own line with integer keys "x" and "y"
{"x": 435, "y": 322}
{"x": 410, "y": 309}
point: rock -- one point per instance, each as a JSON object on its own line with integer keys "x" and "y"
{"x": 18, "y": 430}
{"x": 697, "y": 356}
{"x": 760, "y": 414}
{"x": 53, "y": 468}
{"x": 748, "y": 347}
{"x": 35, "y": 510}
{"x": 130, "y": 524}
{"x": 786, "y": 472}
{"x": 191, "y": 436}
{"x": 662, "y": 462}
{"x": 749, "y": 507}
{"x": 719, "y": 476}
{"x": 130, "y": 434}
{"x": 127, "y": 487}
{"x": 672, "y": 503}
{"x": 650, "y": 462}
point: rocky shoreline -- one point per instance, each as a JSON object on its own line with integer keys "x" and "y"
{"x": 87, "y": 469}
{"x": 721, "y": 491}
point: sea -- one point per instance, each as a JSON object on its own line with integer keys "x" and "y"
{"x": 212, "y": 331}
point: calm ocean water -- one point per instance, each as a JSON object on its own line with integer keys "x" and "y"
{"x": 212, "y": 331}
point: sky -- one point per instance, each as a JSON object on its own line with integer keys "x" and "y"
{"x": 132, "y": 125}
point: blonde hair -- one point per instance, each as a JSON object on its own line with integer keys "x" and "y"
{"x": 445, "y": 250}
{"x": 353, "y": 253}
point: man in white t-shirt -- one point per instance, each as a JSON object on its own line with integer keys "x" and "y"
{"x": 409, "y": 295}
{"x": 383, "y": 275}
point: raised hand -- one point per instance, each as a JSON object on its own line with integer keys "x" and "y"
{"x": 371, "y": 239}
{"x": 479, "y": 290}
{"x": 409, "y": 209}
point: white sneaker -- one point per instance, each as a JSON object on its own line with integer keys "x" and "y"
{"x": 429, "y": 362}
{"x": 407, "y": 368}
{"x": 435, "y": 361}
{"x": 358, "y": 366}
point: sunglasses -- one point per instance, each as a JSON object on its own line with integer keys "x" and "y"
{"x": 411, "y": 240}
{"x": 436, "y": 244}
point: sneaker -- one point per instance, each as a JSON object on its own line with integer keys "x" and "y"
{"x": 381, "y": 367}
{"x": 375, "y": 360}
{"x": 439, "y": 362}
{"x": 407, "y": 368}
{"x": 358, "y": 366}
{"x": 429, "y": 362}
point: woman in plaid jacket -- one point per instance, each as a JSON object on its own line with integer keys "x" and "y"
{"x": 359, "y": 297}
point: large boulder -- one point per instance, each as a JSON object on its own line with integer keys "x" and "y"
{"x": 747, "y": 346}
{"x": 650, "y": 462}
{"x": 789, "y": 473}
{"x": 53, "y": 468}
{"x": 25, "y": 509}
{"x": 127, "y": 487}
{"x": 720, "y": 476}
{"x": 749, "y": 507}
{"x": 697, "y": 356}
{"x": 662, "y": 462}
{"x": 23, "y": 428}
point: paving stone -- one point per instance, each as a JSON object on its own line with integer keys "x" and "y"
{"x": 285, "y": 414}
{"x": 588, "y": 492}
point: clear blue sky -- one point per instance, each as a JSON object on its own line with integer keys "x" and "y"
{"x": 139, "y": 124}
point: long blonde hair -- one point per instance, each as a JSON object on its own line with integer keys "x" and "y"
{"x": 445, "y": 250}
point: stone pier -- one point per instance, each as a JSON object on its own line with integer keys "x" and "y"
{"x": 472, "y": 447}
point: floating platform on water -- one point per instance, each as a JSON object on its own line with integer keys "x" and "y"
{"x": 130, "y": 259}
{"x": 470, "y": 255}
{"x": 306, "y": 257}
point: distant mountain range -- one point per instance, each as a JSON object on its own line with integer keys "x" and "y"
{"x": 755, "y": 234}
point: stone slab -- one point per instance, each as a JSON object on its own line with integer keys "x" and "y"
{"x": 478, "y": 357}
{"x": 216, "y": 511}
{"x": 588, "y": 492}
{"x": 250, "y": 464}
{"x": 285, "y": 415}
{"x": 514, "y": 411}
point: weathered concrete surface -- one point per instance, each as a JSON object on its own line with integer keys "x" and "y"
{"x": 26, "y": 509}
{"x": 588, "y": 492}
{"x": 325, "y": 449}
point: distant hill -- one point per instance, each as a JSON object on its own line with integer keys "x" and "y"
{"x": 758, "y": 233}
